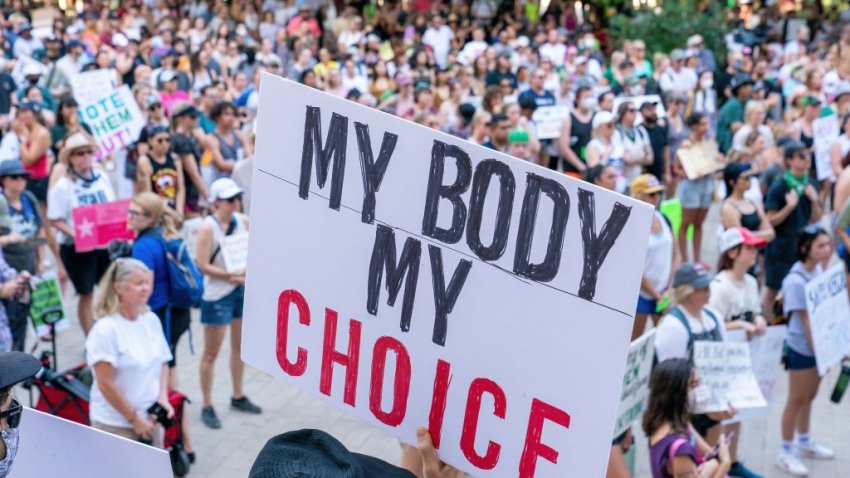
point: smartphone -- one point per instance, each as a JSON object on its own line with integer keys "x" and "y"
{"x": 716, "y": 450}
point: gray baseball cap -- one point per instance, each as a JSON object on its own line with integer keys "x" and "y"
{"x": 692, "y": 274}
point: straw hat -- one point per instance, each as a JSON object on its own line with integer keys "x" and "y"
{"x": 76, "y": 141}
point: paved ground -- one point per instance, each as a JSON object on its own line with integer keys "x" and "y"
{"x": 230, "y": 451}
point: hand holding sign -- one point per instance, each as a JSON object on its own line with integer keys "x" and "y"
{"x": 99, "y": 224}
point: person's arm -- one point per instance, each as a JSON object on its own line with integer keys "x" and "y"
{"x": 204, "y": 251}
{"x": 247, "y": 148}
{"x": 191, "y": 167}
{"x": 765, "y": 231}
{"x": 34, "y": 150}
{"x": 835, "y": 158}
{"x": 105, "y": 376}
{"x": 163, "y": 390}
{"x": 812, "y": 194}
{"x": 778, "y": 216}
{"x": 564, "y": 146}
{"x": 646, "y": 286}
{"x": 807, "y": 326}
{"x": 729, "y": 216}
{"x": 180, "y": 200}
{"x": 144, "y": 170}
{"x": 594, "y": 157}
{"x": 218, "y": 160}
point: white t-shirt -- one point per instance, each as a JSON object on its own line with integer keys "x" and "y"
{"x": 659, "y": 257}
{"x": 137, "y": 350}
{"x": 71, "y": 192}
{"x": 671, "y": 337}
{"x": 554, "y": 51}
{"x": 441, "y": 41}
{"x": 731, "y": 300}
{"x": 683, "y": 81}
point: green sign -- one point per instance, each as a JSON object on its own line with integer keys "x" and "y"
{"x": 46, "y": 304}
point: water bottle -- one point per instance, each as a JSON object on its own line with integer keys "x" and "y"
{"x": 841, "y": 384}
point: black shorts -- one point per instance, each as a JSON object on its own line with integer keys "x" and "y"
{"x": 84, "y": 268}
{"x": 38, "y": 187}
{"x": 775, "y": 269}
{"x": 180, "y": 319}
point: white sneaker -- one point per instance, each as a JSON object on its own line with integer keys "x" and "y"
{"x": 813, "y": 449}
{"x": 791, "y": 464}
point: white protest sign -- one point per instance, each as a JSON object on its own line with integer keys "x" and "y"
{"x": 90, "y": 86}
{"x": 635, "y": 382}
{"x": 726, "y": 369}
{"x": 825, "y": 131}
{"x": 42, "y": 21}
{"x": 474, "y": 273}
{"x": 765, "y": 356}
{"x": 53, "y": 446}
{"x": 234, "y": 250}
{"x": 549, "y": 120}
{"x": 189, "y": 232}
{"x": 639, "y": 100}
{"x": 115, "y": 120}
{"x": 829, "y": 317}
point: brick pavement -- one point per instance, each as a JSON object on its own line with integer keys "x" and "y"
{"x": 230, "y": 451}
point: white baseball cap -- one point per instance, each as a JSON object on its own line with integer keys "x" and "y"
{"x": 735, "y": 236}
{"x": 224, "y": 188}
{"x": 602, "y": 117}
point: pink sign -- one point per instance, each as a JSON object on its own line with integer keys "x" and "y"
{"x": 99, "y": 224}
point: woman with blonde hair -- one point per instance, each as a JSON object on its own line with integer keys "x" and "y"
{"x": 129, "y": 356}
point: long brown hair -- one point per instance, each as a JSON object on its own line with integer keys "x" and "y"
{"x": 668, "y": 397}
{"x": 154, "y": 206}
{"x": 726, "y": 261}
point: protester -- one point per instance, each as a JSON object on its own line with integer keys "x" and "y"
{"x": 813, "y": 246}
{"x": 161, "y": 172}
{"x": 15, "y": 367}
{"x": 739, "y": 211}
{"x": 605, "y": 150}
{"x": 223, "y": 296}
{"x": 129, "y": 355}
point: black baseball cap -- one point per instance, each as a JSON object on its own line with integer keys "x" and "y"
{"x": 315, "y": 454}
{"x": 793, "y": 147}
{"x": 16, "y": 367}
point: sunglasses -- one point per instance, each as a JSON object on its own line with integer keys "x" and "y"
{"x": 13, "y": 414}
{"x": 17, "y": 177}
{"x": 155, "y": 107}
{"x": 82, "y": 152}
{"x": 165, "y": 140}
{"x": 232, "y": 200}
{"x": 133, "y": 213}
{"x": 631, "y": 110}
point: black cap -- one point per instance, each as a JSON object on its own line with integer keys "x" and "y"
{"x": 793, "y": 147}
{"x": 734, "y": 170}
{"x": 649, "y": 104}
{"x": 315, "y": 454}
{"x": 527, "y": 103}
{"x": 739, "y": 80}
{"x": 467, "y": 111}
{"x": 16, "y": 367}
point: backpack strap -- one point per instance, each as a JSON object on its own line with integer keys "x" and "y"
{"x": 230, "y": 228}
{"x": 715, "y": 334}
{"x": 677, "y": 313}
{"x": 674, "y": 447}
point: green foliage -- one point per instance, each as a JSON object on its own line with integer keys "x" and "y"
{"x": 670, "y": 25}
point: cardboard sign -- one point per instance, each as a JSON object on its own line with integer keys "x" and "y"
{"x": 446, "y": 285}
{"x": 829, "y": 317}
{"x": 727, "y": 370}
{"x": 90, "y": 86}
{"x": 46, "y": 306}
{"x": 234, "y": 250}
{"x": 765, "y": 356}
{"x": 549, "y": 120}
{"x": 700, "y": 159}
{"x": 115, "y": 120}
{"x": 635, "y": 382}
{"x": 42, "y": 21}
{"x": 639, "y": 100}
{"x": 825, "y": 130}
{"x": 99, "y": 224}
{"x": 53, "y": 446}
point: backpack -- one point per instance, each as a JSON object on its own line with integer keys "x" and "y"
{"x": 779, "y": 315}
{"x": 185, "y": 283}
{"x": 715, "y": 332}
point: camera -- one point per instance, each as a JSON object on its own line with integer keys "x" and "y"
{"x": 161, "y": 415}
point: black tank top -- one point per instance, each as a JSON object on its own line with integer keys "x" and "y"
{"x": 580, "y": 134}
{"x": 164, "y": 179}
{"x": 751, "y": 221}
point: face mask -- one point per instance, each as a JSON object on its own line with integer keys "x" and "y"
{"x": 10, "y": 438}
{"x": 698, "y": 398}
{"x": 707, "y": 83}
{"x": 588, "y": 103}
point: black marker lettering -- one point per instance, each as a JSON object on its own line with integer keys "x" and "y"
{"x": 373, "y": 172}
{"x": 596, "y": 247}
{"x": 444, "y": 299}
{"x": 452, "y": 192}
{"x": 335, "y": 146}
{"x": 384, "y": 256}
{"x": 507, "y": 187}
{"x": 548, "y": 268}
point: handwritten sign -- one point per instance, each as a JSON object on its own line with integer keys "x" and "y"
{"x": 829, "y": 317}
{"x": 825, "y": 130}
{"x": 234, "y": 250}
{"x": 42, "y": 22}
{"x": 635, "y": 382}
{"x": 89, "y": 86}
{"x": 46, "y": 306}
{"x": 99, "y": 224}
{"x": 445, "y": 284}
{"x": 727, "y": 370}
{"x": 549, "y": 120}
{"x": 700, "y": 159}
{"x": 53, "y": 446}
{"x": 765, "y": 356}
{"x": 115, "y": 120}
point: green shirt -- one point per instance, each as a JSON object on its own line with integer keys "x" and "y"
{"x": 732, "y": 112}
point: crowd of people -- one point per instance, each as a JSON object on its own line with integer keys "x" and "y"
{"x": 479, "y": 71}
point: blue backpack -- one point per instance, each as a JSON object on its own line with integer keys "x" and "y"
{"x": 185, "y": 283}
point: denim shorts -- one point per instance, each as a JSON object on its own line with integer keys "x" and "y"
{"x": 647, "y": 306}
{"x": 797, "y": 361}
{"x": 697, "y": 193}
{"x": 224, "y": 310}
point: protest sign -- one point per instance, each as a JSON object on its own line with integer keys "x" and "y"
{"x": 114, "y": 118}
{"x": 234, "y": 250}
{"x": 726, "y": 368}
{"x": 549, "y": 120}
{"x": 700, "y": 159}
{"x": 825, "y": 131}
{"x": 42, "y": 21}
{"x": 46, "y": 306}
{"x": 90, "y": 86}
{"x": 639, "y": 100}
{"x": 189, "y": 231}
{"x": 635, "y": 382}
{"x": 829, "y": 317}
{"x": 99, "y": 224}
{"x": 53, "y": 446}
{"x": 387, "y": 258}
{"x": 765, "y": 356}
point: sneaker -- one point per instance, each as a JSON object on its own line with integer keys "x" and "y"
{"x": 813, "y": 449}
{"x": 209, "y": 418}
{"x": 791, "y": 464}
{"x": 245, "y": 405}
{"x": 738, "y": 469}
